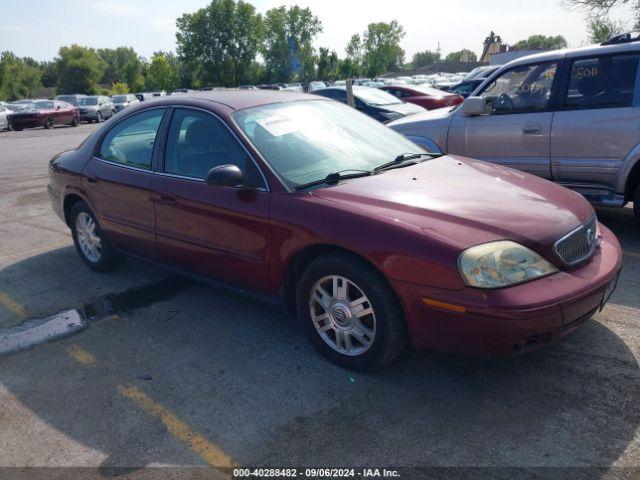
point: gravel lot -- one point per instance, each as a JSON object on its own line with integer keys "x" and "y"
{"x": 178, "y": 374}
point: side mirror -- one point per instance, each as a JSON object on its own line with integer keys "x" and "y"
{"x": 225, "y": 176}
{"x": 474, "y": 106}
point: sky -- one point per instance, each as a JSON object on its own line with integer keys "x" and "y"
{"x": 38, "y": 28}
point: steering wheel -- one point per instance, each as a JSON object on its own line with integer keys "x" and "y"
{"x": 504, "y": 102}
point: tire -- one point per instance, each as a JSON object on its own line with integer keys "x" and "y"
{"x": 49, "y": 123}
{"x": 99, "y": 118}
{"x": 17, "y": 129}
{"x": 74, "y": 122}
{"x": 107, "y": 258}
{"x": 636, "y": 205}
{"x": 382, "y": 331}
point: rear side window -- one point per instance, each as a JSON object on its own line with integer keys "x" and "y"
{"x": 131, "y": 141}
{"x": 602, "y": 82}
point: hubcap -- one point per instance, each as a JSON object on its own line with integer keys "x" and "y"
{"x": 342, "y": 315}
{"x": 88, "y": 238}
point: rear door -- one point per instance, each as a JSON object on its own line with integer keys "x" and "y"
{"x": 597, "y": 125}
{"x": 218, "y": 232}
{"x": 516, "y": 133}
{"x": 118, "y": 181}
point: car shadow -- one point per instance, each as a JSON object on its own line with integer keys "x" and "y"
{"x": 243, "y": 375}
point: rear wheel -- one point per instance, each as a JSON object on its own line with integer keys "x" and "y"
{"x": 99, "y": 118}
{"x": 350, "y": 312}
{"x": 74, "y": 122}
{"x": 49, "y": 123}
{"x": 92, "y": 245}
{"x": 636, "y": 204}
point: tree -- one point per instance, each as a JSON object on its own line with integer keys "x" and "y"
{"x": 327, "y": 64}
{"x": 162, "y": 73}
{"x": 49, "y": 71}
{"x": 119, "y": 88}
{"x": 221, "y": 41}
{"x": 603, "y": 7}
{"x": 542, "y": 42}
{"x": 602, "y": 28}
{"x": 19, "y": 78}
{"x": 122, "y": 65}
{"x": 421, "y": 59}
{"x": 288, "y": 43}
{"x": 463, "y": 55}
{"x": 381, "y": 44}
{"x": 79, "y": 69}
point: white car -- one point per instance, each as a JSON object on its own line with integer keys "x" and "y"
{"x": 313, "y": 86}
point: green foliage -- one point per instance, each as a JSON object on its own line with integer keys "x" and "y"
{"x": 162, "y": 72}
{"x": 79, "y": 70}
{"x": 221, "y": 41}
{"x": 19, "y": 77}
{"x": 542, "y": 42}
{"x": 422, "y": 59}
{"x": 462, "y": 55}
{"x": 602, "y": 28}
{"x": 328, "y": 63}
{"x": 288, "y": 43}
{"x": 122, "y": 65}
{"x": 119, "y": 88}
{"x": 49, "y": 73}
{"x": 381, "y": 47}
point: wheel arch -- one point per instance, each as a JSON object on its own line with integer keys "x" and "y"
{"x": 70, "y": 200}
{"x": 633, "y": 180}
{"x": 299, "y": 261}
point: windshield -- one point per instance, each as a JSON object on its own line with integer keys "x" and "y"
{"x": 40, "y": 106}
{"x": 87, "y": 101}
{"x": 119, "y": 99}
{"x": 373, "y": 96}
{"x": 306, "y": 141}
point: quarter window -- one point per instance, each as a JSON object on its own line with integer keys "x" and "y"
{"x": 521, "y": 89}
{"x": 198, "y": 142}
{"x": 602, "y": 82}
{"x": 131, "y": 141}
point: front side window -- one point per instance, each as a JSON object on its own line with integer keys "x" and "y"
{"x": 198, "y": 142}
{"x": 131, "y": 141}
{"x": 522, "y": 89}
{"x": 305, "y": 141}
{"x": 602, "y": 82}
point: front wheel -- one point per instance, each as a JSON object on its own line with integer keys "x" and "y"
{"x": 99, "y": 118}
{"x": 49, "y": 123}
{"x": 92, "y": 246}
{"x": 350, "y": 312}
{"x": 636, "y": 205}
{"x": 74, "y": 122}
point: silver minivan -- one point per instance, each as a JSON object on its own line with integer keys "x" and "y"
{"x": 570, "y": 116}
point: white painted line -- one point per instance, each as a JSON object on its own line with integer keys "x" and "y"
{"x": 33, "y": 332}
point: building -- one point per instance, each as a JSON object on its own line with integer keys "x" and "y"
{"x": 494, "y": 52}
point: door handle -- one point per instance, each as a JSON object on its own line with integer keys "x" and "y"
{"x": 532, "y": 129}
{"x": 168, "y": 199}
{"x": 91, "y": 178}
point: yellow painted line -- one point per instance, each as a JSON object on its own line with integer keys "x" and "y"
{"x": 10, "y": 304}
{"x": 80, "y": 355}
{"x": 176, "y": 427}
{"x": 631, "y": 254}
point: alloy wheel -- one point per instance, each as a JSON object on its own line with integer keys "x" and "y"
{"x": 342, "y": 315}
{"x": 88, "y": 237}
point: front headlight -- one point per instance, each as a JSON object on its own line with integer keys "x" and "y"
{"x": 501, "y": 264}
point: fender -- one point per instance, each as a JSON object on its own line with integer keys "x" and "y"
{"x": 425, "y": 143}
{"x": 630, "y": 161}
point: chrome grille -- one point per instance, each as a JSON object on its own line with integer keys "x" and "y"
{"x": 577, "y": 245}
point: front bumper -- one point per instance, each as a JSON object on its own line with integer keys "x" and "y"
{"x": 516, "y": 319}
{"x": 26, "y": 122}
{"x": 89, "y": 115}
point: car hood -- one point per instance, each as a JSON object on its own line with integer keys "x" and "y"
{"x": 403, "y": 108}
{"x": 464, "y": 202}
{"x": 439, "y": 115}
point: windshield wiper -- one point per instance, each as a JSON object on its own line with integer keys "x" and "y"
{"x": 400, "y": 159}
{"x": 335, "y": 177}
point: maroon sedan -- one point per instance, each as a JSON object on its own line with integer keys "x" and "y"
{"x": 375, "y": 243}
{"x": 423, "y": 95}
{"x": 46, "y": 114}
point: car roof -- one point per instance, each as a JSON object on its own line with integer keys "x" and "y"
{"x": 576, "y": 52}
{"x": 241, "y": 99}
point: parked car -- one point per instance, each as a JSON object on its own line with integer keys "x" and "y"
{"x": 567, "y": 116}
{"x": 143, "y": 97}
{"x": 44, "y": 113}
{"x": 71, "y": 99}
{"x": 96, "y": 108}
{"x": 4, "y": 120}
{"x": 380, "y": 105}
{"x": 313, "y": 86}
{"x": 120, "y": 102}
{"x": 373, "y": 242}
{"x": 466, "y": 87}
{"x": 483, "y": 71}
{"x": 18, "y": 105}
{"x": 12, "y": 107}
{"x": 423, "y": 95}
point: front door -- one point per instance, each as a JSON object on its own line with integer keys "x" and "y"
{"x": 597, "y": 125}
{"x": 118, "y": 182}
{"x": 516, "y": 131}
{"x": 218, "y": 232}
